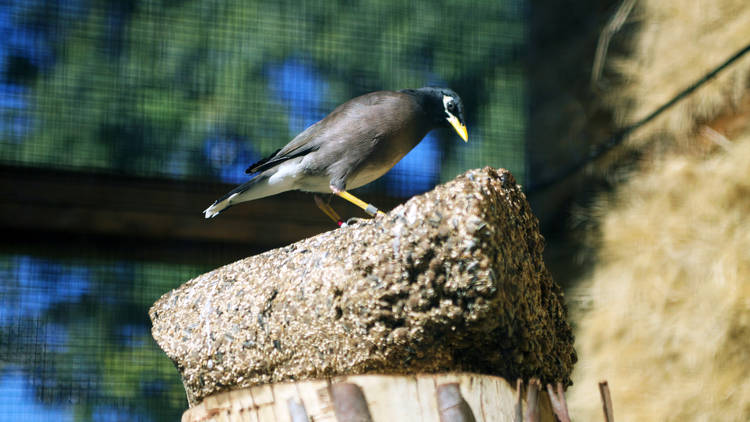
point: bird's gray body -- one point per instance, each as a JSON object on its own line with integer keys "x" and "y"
{"x": 356, "y": 143}
{"x": 348, "y": 154}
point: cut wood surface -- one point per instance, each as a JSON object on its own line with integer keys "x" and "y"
{"x": 387, "y": 398}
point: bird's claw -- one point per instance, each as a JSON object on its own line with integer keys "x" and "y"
{"x": 354, "y": 220}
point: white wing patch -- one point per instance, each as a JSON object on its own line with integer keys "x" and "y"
{"x": 286, "y": 173}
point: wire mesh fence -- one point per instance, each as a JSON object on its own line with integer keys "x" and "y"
{"x": 76, "y": 341}
{"x": 196, "y": 90}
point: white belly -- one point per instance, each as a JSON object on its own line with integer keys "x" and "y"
{"x": 365, "y": 176}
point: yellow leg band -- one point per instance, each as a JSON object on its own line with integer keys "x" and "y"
{"x": 369, "y": 208}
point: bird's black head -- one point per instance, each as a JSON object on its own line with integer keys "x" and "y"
{"x": 444, "y": 106}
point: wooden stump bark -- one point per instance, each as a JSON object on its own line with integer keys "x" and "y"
{"x": 414, "y": 398}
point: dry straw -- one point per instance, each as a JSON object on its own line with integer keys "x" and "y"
{"x": 664, "y": 314}
{"x": 675, "y": 43}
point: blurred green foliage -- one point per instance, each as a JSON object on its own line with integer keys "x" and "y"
{"x": 138, "y": 87}
{"x": 79, "y": 329}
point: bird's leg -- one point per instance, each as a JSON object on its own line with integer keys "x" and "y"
{"x": 328, "y": 210}
{"x": 369, "y": 208}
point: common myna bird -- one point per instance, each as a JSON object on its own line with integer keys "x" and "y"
{"x": 357, "y": 143}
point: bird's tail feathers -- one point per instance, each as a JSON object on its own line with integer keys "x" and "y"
{"x": 228, "y": 200}
{"x": 255, "y": 188}
{"x": 216, "y": 208}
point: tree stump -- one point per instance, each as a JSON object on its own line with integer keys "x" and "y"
{"x": 415, "y": 398}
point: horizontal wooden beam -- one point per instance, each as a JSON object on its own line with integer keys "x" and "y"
{"x": 53, "y": 205}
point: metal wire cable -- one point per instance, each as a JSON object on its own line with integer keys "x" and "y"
{"x": 602, "y": 148}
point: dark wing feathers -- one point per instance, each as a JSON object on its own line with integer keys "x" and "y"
{"x": 302, "y": 144}
{"x": 278, "y": 158}
{"x": 355, "y": 111}
{"x": 255, "y": 167}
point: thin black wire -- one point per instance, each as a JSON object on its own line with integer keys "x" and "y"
{"x": 599, "y": 150}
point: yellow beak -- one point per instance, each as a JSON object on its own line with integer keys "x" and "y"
{"x": 460, "y": 129}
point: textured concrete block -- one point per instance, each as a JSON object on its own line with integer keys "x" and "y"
{"x": 452, "y": 280}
